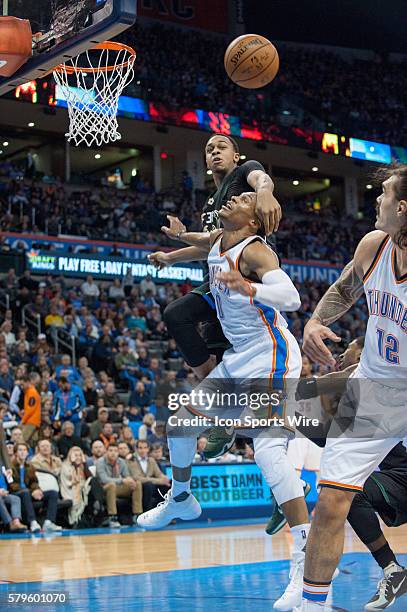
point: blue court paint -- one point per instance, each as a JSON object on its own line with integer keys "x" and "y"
{"x": 223, "y": 588}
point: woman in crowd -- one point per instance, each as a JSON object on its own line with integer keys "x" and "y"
{"x": 126, "y": 435}
{"x": 78, "y": 485}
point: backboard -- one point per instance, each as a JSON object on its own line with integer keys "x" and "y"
{"x": 67, "y": 27}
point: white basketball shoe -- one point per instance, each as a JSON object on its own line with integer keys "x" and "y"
{"x": 169, "y": 509}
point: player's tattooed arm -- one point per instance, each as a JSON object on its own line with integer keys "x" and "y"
{"x": 341, "y": 296}
{"x": 267, "y": 207}
{"x": 339, "y": 299}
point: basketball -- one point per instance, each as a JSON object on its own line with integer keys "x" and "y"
{"x": 251, "y": 61}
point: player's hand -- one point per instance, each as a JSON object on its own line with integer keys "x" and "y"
{"x": 159, "y": 259}
{"x": 234, "y": 280}
{"x": 176, "y": 227}
{"x": 268, "y": 210}
{"x": 313, "y": 345}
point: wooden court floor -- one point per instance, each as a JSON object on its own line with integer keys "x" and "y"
{"x": 40, "y": 558}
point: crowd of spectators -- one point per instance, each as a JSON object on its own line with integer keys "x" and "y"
{"x": 97, "y": 426}
{"x": 32, "y": 205}
{"x": 360, "y": 97}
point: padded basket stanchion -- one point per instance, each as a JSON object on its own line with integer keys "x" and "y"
{"x": 15, "y": 44}
{"x": 91, "y": 85}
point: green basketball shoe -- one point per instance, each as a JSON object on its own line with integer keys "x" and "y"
{"x": 277, "y": 519}
{"x": 220, "y": 441}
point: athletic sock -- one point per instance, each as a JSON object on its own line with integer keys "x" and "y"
{"x": 311, "y": 606}
{"x": 315, "y": 591}
{"x": 384, "y": 556}
{"x": 392, "y": 568}
{"x": 179, "y": 489}
{"x": 182, "y": 452}
{"x": 300, "y": 535}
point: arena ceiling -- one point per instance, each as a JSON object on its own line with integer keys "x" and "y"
{"x": 359, "y": 24}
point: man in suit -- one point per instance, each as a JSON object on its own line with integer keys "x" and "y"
{"x": 145, "y": 469}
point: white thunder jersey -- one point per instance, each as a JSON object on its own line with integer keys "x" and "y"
{"x": 248, "y": 324}
{"x": 385, "y": 353}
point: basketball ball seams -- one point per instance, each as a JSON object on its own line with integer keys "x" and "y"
{"x": 251, "y": 61}
{"x": 248, "y": 57}
{"x": 242, "y": 46}
{"x": 238, "y": 42}
{"x": 254, "y": 77}
{"x": 241, "y": 49}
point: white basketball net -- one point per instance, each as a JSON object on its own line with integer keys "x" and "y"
{"x": 91, "y": 85}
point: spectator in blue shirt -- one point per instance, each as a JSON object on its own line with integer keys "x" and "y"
{"x": 68, "y": 371}
{"x": 140, "y": 397}
{"x": 69, "y": 403}
{"x": 6, "y": 378}
{"x": 135, "y": 321}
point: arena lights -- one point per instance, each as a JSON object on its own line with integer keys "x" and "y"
{"x": 98, "y": 156}
{"x": 369, "y": 186}
{"x": 296, "y": 183}
{"x": 315, "y": 169}
{"x": 27, "y": 91}
{"x": 144, "y": 110}
{"x": 209, "y": 172}
{"x": 243, "y": 157}
{"x": 5, "y": 143}
{"x": 31, "y": 124}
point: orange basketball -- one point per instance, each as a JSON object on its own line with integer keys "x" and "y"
{"x": 251, "y": 61}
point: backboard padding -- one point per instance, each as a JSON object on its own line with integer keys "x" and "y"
{"x": 73, "y": 27}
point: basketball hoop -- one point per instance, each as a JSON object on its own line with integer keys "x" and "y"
{"x": 91, "y": 85}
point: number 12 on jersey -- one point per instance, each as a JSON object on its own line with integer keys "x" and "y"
{"x": 388, "y": 346}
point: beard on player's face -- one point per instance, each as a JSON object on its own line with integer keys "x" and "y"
{"x": 388, "y": 218}
{"x": 389, "y": 209}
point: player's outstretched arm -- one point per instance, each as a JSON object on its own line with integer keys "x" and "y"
{"x": 267, "y": 207}
{"x": 339, "y": 298}
{"x": 178, "y": 231}
{"x": 328, "y": 384}
{"x": 162, "y": 259}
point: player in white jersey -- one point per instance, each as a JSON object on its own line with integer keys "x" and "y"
{"x": 249, "y": 289}
{"x": 377, "y": 390}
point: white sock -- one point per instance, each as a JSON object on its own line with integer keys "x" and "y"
{"x": 178, "y": 487}
{"x": 312, "y": 606}
{"x": 182, "y": 453}
{"x": 300, "y": 535}
{"x": 391, "y": 569}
